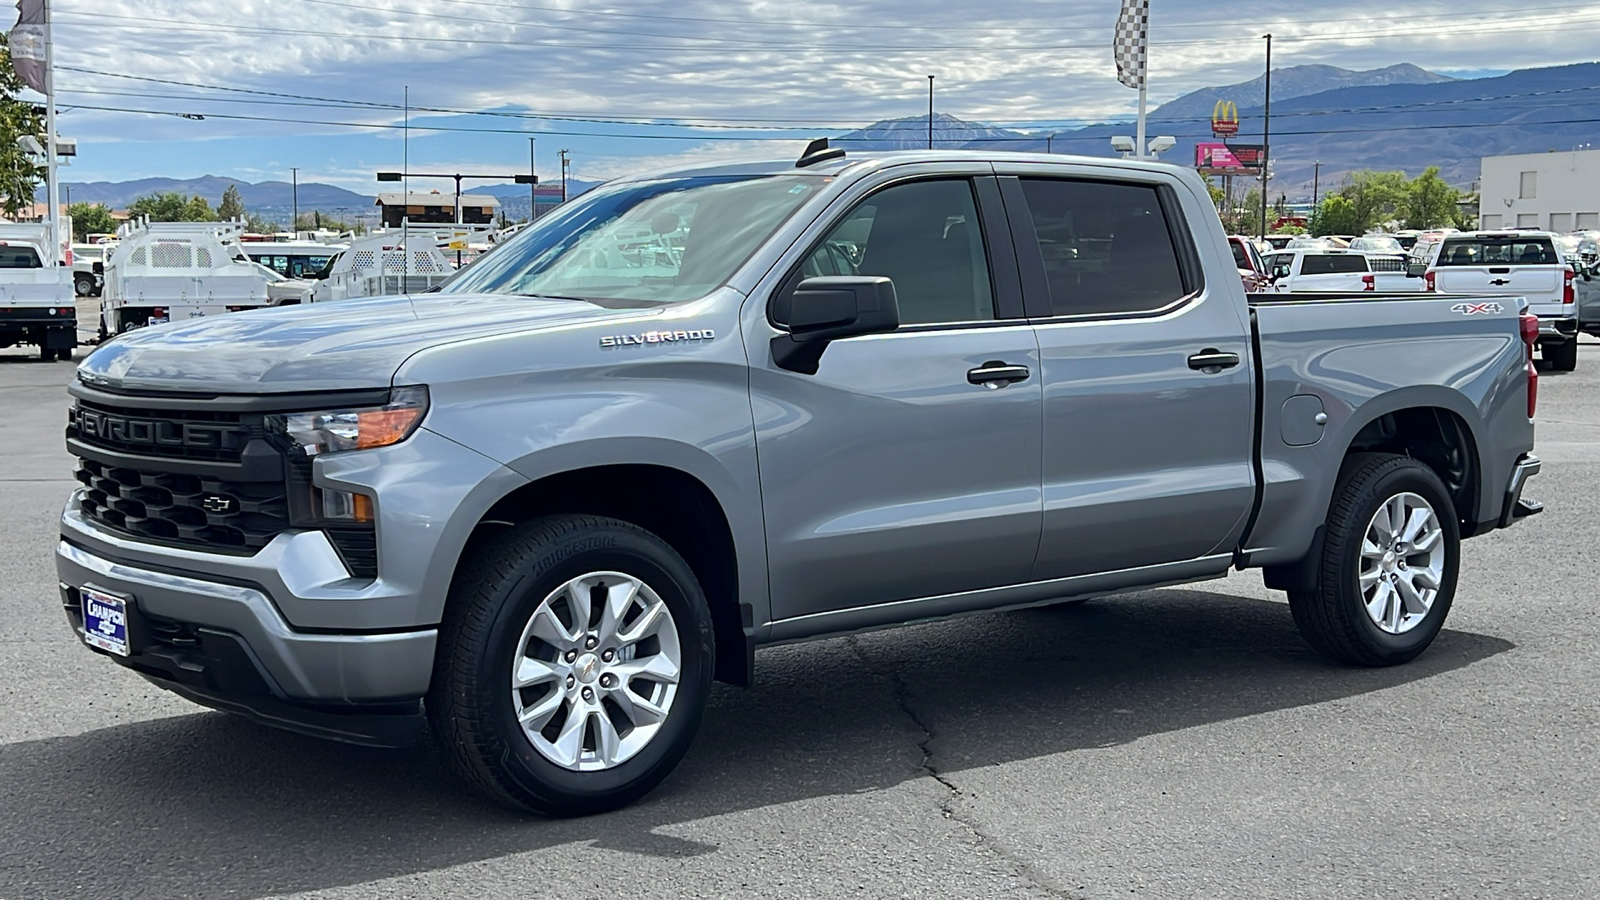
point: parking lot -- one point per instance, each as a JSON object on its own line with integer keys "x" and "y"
{"x": 1172, "y": 743}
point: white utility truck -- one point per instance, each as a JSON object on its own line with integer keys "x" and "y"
{"x": 35, "y": 293}
{"x": 162, "y": 271}
{"x": 403, "y": 261}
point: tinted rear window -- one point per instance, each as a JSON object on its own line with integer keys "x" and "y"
{"x": 1241, "y": 259}
{"x": 19, "y": 258}
{"x": 1506, "y": 251}
{"x": 1316, "y": 264}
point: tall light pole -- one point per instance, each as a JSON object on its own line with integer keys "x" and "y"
{"x": 1266, "y": 137}
{"x": 533, "y": 189}
{"x": 565, "y": 162}
{"x": 294, "y": 199}
{"x": 930, "y": 112}
{"x": 1316, "y": 177}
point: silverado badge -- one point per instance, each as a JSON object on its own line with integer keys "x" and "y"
{"x": 657, "y": 337}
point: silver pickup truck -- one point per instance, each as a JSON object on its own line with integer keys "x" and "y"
{"x": 700, "y": 411}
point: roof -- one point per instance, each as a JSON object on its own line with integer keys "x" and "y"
{"x": 880, "y": 158}
{"x": 436, "y": 199}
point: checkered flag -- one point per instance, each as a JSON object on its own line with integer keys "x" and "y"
{"x": 1129, "y": 45}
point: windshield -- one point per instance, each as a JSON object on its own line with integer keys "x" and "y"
{"x": 651, "y": 242}
{"x": 1498, "y": 251}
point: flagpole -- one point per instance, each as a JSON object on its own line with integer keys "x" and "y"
{"x": 1139, "y": 144}
{"x": 53, "y": 203}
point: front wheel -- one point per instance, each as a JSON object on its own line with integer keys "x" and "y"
{"x": 574, "y": 662}
{"x": 1388, "y": 566}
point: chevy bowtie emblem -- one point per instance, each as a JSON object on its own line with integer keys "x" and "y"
{"x": 218, "y": 505}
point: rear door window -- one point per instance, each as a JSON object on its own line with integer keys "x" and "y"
{"x": 1499, "y": 251}
{"x": 1107, "y": 247}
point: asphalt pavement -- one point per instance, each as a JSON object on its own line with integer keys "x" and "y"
{"x": 1172, "y": 743}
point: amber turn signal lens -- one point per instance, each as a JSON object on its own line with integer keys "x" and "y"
{"x": 382, "y": 427}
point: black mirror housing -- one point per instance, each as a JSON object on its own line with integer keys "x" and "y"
{"x": 825, "y": 309}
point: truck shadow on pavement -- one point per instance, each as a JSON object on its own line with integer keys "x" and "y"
{"x": 209, "y": 804}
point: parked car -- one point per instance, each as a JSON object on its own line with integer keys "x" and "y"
{"x": 87, "y": 277}
{"x": 1279, "y": 241}
{"x": 544, "y": 507}
{"x": 1247, "y": 258}
{"x": 1318, "y": 270}
{"x": 1514, "y": 264}
{"x": 35, "y": 293}
{"x": 1383, "y": 244}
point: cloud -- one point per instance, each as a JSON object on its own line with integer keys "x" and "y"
{"x": 757, "y": 69}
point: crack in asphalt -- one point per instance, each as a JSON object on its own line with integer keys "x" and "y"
{"x": 902, "y": 700}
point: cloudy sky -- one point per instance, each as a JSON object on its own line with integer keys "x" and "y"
{"x": 287, "y": 83}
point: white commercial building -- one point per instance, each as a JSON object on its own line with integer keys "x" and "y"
{"x": 1557, "y": 191}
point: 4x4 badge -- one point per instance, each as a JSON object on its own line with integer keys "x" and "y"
{"x": 1469, "y": 309}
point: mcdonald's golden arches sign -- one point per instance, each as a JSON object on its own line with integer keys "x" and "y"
{"x": 1225, "y": 119}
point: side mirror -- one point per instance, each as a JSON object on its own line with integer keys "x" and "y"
{"x": 825, "y": 309}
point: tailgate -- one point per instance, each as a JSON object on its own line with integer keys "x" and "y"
{"x": 1540, "y": 284}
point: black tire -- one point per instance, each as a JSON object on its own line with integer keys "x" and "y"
{"x": 497, "y": 588}
{"x": 46, "y": 354}
{"x": 64, "y": 354}
{"x": 1562, "y": 357}
{"x": 1333, "y": 617}
{"x": 83, "y": 285}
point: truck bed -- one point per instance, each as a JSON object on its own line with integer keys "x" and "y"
{"x": 1355, "y": 357}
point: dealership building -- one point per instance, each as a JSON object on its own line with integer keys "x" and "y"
{"x": 1556, "y": 191}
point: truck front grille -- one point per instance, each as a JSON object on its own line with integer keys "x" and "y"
{"x": 216, "y": 436}
{"x": 186, "y": 510}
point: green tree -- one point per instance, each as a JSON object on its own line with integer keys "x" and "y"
{"x": 1430, "y": 202}
{"x": 19, "y": 177}
{"x": 1376, "y": 198}
{"x": 231, "y": 207}
{"x": 1336, "y": 214}
{"x": 171, "y": 206}
{"x": 90, "y": 218}
{"x": 259, "y": 225}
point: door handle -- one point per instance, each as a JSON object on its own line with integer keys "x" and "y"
{"x": 1212, "y": 361}
{"x": 996, "y": 374}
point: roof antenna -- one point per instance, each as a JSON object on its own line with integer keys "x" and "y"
{"x": 818, "y": 151}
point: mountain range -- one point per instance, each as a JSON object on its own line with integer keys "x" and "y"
{"x": 1327, "y": 122}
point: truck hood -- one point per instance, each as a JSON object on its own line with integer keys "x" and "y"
{"x": 337, "y": 345}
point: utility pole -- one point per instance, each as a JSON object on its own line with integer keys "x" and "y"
{"x": 1266, "y": 137}
{"x": 565, "y": 162}
{"x": 1316, "y": 176}
{"x": 533, "y": 189}
{"x": 1048, "y": 141}
{"x": 930, "y": 112}
{"x": 294, "y": 221}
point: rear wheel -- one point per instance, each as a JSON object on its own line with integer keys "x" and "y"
{"x": 573, "y": 667}
{"x": 1562, "y": 357}
{"x": 83, "y": 285}
{"x": 1388, "y": 566}
{"x": 46, "y": 354}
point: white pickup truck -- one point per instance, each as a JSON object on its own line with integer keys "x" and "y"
{"x": 35, "y": 296}
{"x": 163, "y": 271}
{"x": 1324, "y": 271}
{"x": 1517, "y": 264}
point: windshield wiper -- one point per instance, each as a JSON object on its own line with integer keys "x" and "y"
{"x": 553, "y": 297}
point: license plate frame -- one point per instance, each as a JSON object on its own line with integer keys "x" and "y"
{"x": 105, "y": 620}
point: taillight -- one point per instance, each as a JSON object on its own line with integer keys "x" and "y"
{"x": 1369, "y": 282}
{"x": 1530, "y": 337}
{"x": 1427, "y": 281}
{"x": 1569, "y": 292}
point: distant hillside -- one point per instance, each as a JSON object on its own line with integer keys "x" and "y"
{"x": 911, "y": 133}
{"x": 265, "y": 194}
{"x": 1295, "y": 81}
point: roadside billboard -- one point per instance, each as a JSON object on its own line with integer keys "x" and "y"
{"x": 1222, "y": 159}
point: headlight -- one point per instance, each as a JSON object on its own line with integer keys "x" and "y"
{"x": 336, "y": 430}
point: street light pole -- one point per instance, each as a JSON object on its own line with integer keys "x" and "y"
{"x": 1316, "y": 177}
{"x": 294, "y": 199}
{"x": 533, "y": 189}
{"x": 930, "y": 112}
{"x": 1266, "y": 137}
{"x": 564, "y": 163}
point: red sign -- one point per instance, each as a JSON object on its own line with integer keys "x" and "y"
{"x": 1225, "y": 119}
{"x": 1222, "y": 159}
